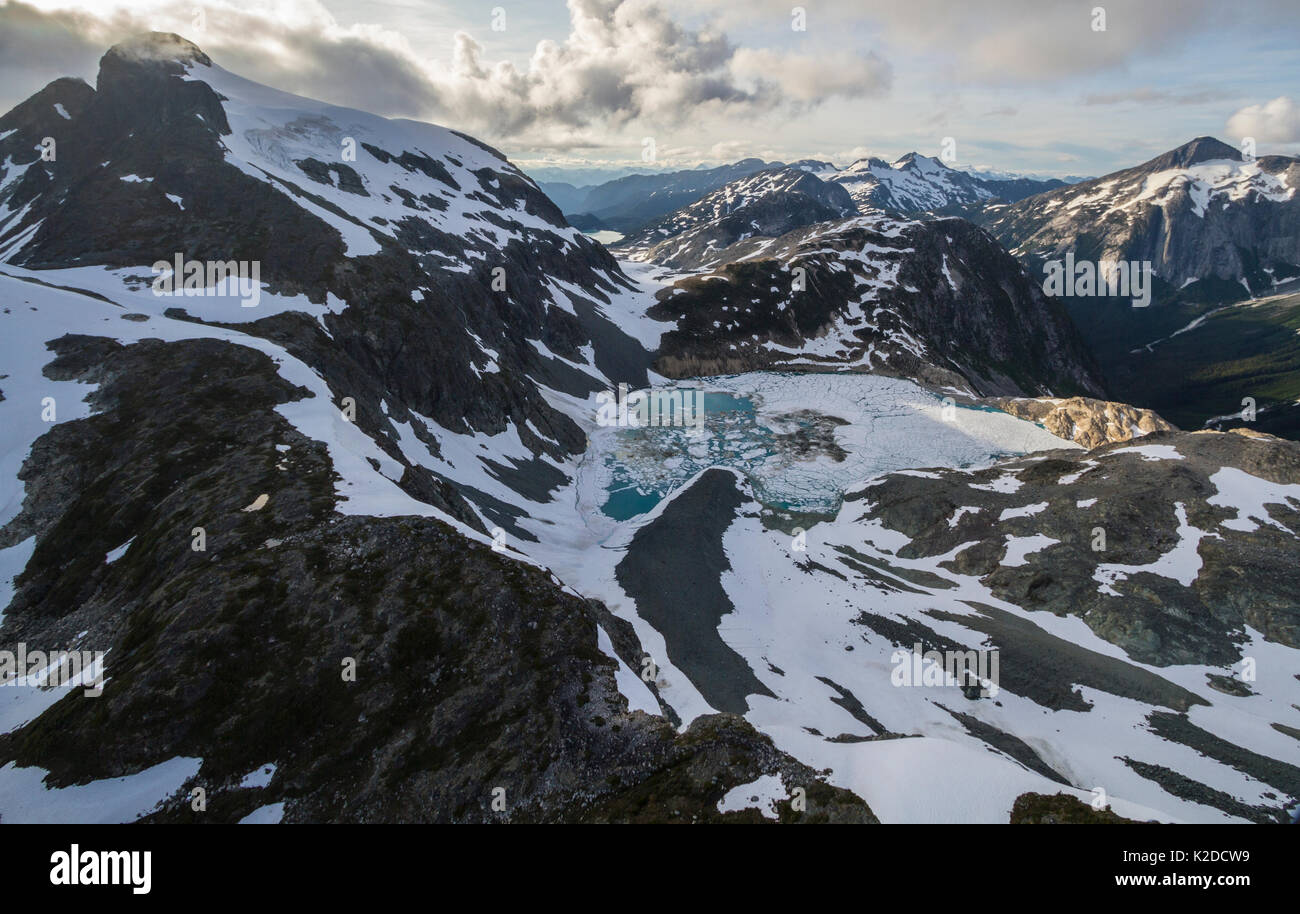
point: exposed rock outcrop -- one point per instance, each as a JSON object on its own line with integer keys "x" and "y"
{"x": 1188, "y": 497}
{"x": 1083, "y": 420}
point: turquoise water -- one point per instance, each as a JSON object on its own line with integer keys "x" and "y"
{"x": 627, "y": 502}
{"x": 649, "y": 463}
{"x": 794, "y": 472}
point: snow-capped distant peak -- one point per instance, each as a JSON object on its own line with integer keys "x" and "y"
{"x": 923, "y": 164}
{"x": 916, "y": 183}
{"x": 1222, "y": 216}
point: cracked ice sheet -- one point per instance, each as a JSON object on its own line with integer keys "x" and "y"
{"x": 584, "y": 554}
{"x": 891, "y": 425}
{"x": 801, "y": 623}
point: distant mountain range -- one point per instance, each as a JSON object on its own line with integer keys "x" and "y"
{"x": 625, "y": 204}
{"x": 917, "y": 183}
{"x": 786, "y": 273}
{"x": 913, "y": 184}
{"x": 1211, "y": 227}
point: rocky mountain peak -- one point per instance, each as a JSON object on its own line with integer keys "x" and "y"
{"x": 60, "y": 101}
{"x": 1196, "y": 213}
{"x": 816, "y": 166}
{"x": 766, "y": 203}
{"x": 1193, "y": 152}
{"x": 154, "y": 48}
{"x": 917, "y": 162}
{"x": 865, "y": 164}
{"x": 138, "y": 91}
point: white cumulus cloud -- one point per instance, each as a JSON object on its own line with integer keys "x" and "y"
{"x": 1276, "y": 121}
{"x": 622, "y": 62}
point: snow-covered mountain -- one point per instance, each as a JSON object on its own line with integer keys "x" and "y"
{"x": 767, "y": 203}
{"x": 916, "y": 183}
{"x": 236, "y": 491}
{"x": 935, "y": 301}
{"x": 360, "y": 538}
{"x": 912, "y": 184}
{"x": 1200, "y": 213}
{"x": 454, "y": 267}
{"x": 1121, "y": 667}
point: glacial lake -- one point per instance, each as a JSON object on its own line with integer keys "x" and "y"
{"x": 802, "y": 440}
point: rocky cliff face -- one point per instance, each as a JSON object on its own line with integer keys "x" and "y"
{"x": 934, "y": 301}
{"x": 1087, "y": 422}
{"x": 1200, "y": 213}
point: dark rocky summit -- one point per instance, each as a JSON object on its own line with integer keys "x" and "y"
{"x": 936, "y": 301}
{"x": 144, "y": 120}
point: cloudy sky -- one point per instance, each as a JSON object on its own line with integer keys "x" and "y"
{"x": 1030, "y": 86}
